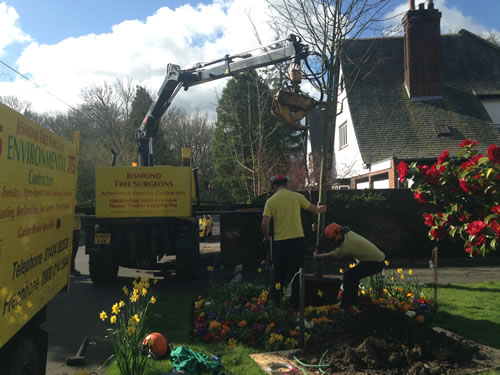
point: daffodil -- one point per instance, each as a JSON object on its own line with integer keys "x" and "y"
{"x": 153, "y": 300}
{"x": 277, "y": 286}
{"x": 103, "y": 315}
{"x": 144, "y": 291}
{"x": 402, "y": 277}
{"x": 115, "y": 309}
{"x": 320, "y": 293}
{"x": 121, "y": 304}
{"x": 210, "y": 269}
{"x": 352, "y": 265}
{"x": 134, "y": 298}
{"x": 400, "y": 270}
{"x": 386, "y": 262}
{"x": 259, "y": 270}
{"x": 130, "y": 330}
{"x": 134, "y": 320}
{"x": 410, "y": 272}
{"x": 263, "y": 261}
{"x": 125, "y": 290}
{"x": 341, "y": 270}
{"x": 112, "y": 320}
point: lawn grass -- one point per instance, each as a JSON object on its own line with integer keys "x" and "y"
{"x": 470, "y": 310}
{"x": 171, "y": 315}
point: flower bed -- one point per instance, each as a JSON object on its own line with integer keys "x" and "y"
{"x": 244, "y": 313}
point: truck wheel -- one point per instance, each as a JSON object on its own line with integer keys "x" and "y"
{"x": 103, "y": 268}
{"x": 24, "y": 359}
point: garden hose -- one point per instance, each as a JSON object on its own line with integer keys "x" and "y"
{"x": 311, "y": 366}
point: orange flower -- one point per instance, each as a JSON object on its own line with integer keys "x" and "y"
{"x": 420, "y": 318}
{"x": 242, "y": 324}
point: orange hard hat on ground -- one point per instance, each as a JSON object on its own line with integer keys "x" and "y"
{"x": 156, "y": 343}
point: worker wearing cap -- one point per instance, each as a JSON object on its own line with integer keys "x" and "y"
{"x": 288, "y": 244}
{"x": 344, "y": 243}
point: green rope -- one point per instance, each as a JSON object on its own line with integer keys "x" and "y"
{"x": 306, "y": 365}
{"x": 301, "y": 369}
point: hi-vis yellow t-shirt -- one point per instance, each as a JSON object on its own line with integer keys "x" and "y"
{"x": 284, "y": 207}
{"x": 358, "y": 247}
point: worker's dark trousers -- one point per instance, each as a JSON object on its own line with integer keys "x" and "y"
{"x": 288, "y": 257}
{"x": 352, "y": 277}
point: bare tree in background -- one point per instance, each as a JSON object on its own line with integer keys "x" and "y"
{"x": 325, "y": 25}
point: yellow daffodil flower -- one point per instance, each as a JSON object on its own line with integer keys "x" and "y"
{"x": 341, "y": 270}
{"x": 134, "y": 298}
{"x": 352, "y": 265}
{"x": 153, "y": 300}
{"x": 263, "y": 261}
{"x": 277, "y": 286}
{"x": 130, "y": 330}
{"x": 392, "y": 278}
{"x": 144, "y": 291}
{"x": 386, "y": 262}
{"x": 121, "y": 304}
{"x": 320, "y": 293}
{"x": 112, "y": 320}
{"x": 103, "y": 316}
{"x": 402, "y": 277}
{"x": 400, "y": 270}
{"x": 259, "y": 270}
{"x": 115, "y": 309}
{"x": 410, "y": 272}
{"x": 134, "y": 320}
{"x": 210, "y": 269}
{"x": 125, "y": 290}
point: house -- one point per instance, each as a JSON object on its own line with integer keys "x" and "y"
{"x": 410, "y": 98}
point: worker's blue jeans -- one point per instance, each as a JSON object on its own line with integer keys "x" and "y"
{"x": 352, "y": 277}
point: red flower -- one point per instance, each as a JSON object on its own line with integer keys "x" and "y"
{"x": 479, "y": 240}
{"x": 439, "y": 233}
{"x": 475, "y": 227}
{"x": 402, "y": 171}
{"x": 419, "y": 197}
{"x": 495, "y": 210}
{"x": 494, "y": 154}
{"x": 469, "y": 250}
{"x": 463, "y": 185}
{"x": 433, "y": 175}
{"x": 468, "y": 142}
{"x": 445, "y": 156}
{"x": 423, "y": 169}
{"x": 496, "y": 227}
{"x": 429, "y": 219}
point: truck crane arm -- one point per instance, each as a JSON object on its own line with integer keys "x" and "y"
{"x": 176, "y": 78}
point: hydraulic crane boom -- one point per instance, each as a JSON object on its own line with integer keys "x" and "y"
{"x": 176, "y": 78}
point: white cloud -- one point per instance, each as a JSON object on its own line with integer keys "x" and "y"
{"x": 452, "y": 18}
{"x": 141, "y": 51}
{"x": 10, "y": 32}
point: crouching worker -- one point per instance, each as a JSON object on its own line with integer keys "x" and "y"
{"x": 344, "y": 243}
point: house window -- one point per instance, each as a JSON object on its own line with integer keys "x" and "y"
{"x": 343, "y": 135}
{"x": 492, "y": 106}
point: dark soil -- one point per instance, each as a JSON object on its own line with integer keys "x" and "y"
{"x": 381, "y": 341}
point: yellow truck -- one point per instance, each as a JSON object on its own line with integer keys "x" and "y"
{"x": 38, "y": 171}
{"x": 143, "y": 214}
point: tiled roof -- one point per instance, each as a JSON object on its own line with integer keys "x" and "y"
{"x": 387, "y": 124}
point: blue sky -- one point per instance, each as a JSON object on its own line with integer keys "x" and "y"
{"x": 66, "y": 45}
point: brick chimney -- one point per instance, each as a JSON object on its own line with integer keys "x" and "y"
{"x": 422, "y": 51}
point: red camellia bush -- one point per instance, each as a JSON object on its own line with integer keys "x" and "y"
{"x": 465, "y": 192}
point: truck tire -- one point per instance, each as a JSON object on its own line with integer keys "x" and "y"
{"x": 103, "y": 268}
{"x": 24, "y": 358}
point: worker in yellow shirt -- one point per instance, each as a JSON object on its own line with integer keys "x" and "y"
{"x": 288, "y": 243}
{"x": 344, "y": 243}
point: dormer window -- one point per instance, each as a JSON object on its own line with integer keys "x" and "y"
{"x": 492, "y": 105}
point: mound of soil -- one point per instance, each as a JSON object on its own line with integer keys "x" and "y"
{"x": 381, "y": 341}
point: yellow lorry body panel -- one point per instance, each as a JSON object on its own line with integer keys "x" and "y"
{"x": 38, "y": 172}
{"x": 156, "y": 191}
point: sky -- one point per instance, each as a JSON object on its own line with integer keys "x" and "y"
{"x": 65, "y": 46}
